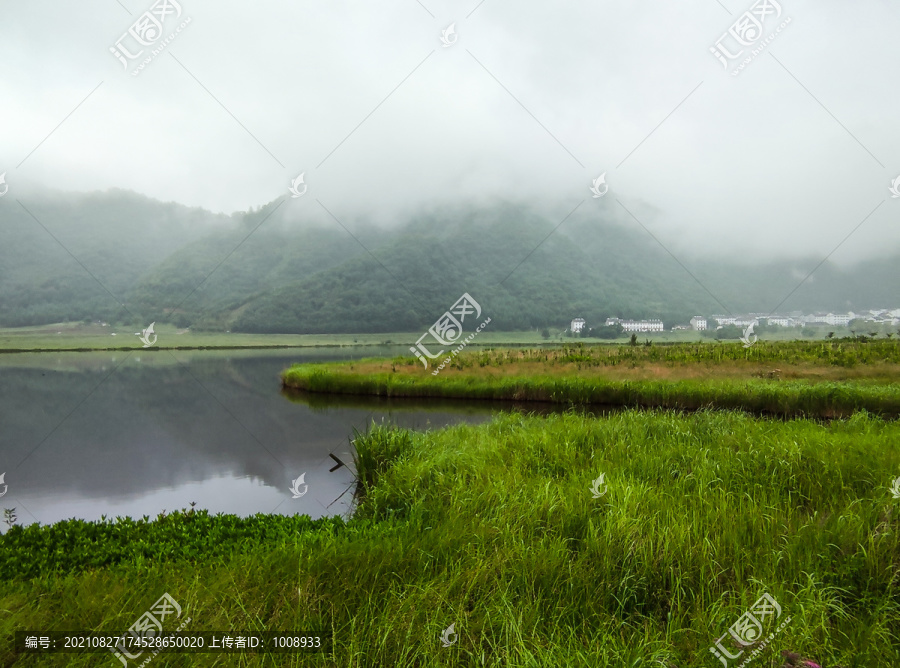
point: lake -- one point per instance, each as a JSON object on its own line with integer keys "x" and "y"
{"x": 138, "y": 433}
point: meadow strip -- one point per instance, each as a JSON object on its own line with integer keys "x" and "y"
{"x": 782, "y": 398}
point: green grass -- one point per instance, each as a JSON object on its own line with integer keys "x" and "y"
{"x": 819, "y": 379}
{"x": 493, "y": 528}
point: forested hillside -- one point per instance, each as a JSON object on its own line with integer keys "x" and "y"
{"x": 271, "y": 270}
{"x": 70, "y": 256}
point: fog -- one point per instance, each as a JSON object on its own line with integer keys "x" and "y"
{"x": 530, "y": 104}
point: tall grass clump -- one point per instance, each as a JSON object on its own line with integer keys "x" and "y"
{"x": 703, "y": 514}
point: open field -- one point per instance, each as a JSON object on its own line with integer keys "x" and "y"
{"x": 495, "y": 529}
{"x": 825, "y": 379}
{"x": 80, "y": 336}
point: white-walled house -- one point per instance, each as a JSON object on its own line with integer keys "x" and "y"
{"x": 577, "y": 325}
{"x": 738, "y": 320}
{"x": 698, "y": 323}
{"x": 829, "y": 318}
{"x": 642, "y": 325}
{"x": 753, "y": 319}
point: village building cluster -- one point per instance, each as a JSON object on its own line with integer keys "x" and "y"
{"x": 796, "y": 319}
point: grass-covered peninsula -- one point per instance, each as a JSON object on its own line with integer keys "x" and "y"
{"x": 822, "y": 379}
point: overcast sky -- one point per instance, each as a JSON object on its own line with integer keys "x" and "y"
{"x": 530, "y": 103}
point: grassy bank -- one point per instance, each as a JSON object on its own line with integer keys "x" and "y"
{"x": 493, "y": 528}
{"x": 831, "y": 379}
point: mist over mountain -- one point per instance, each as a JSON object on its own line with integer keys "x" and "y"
{"x": 82, "y": 256}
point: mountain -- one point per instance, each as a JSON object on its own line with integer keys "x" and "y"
{"x": 68, "y": 256}
{"x": 73, "y": 257}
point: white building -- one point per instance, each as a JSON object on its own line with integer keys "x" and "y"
{"x": 780, "y": 320}
{"x": 577, "y": 325}
{"x": 612, "y": 321}
{"x": 739, "y": 320}
{"x": 829, "y": 318}
{"x": 698, "y": 323}
{"x": 642, "y": 325}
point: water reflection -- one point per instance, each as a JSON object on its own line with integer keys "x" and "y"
{"x": 90, "y": 434}
{"x": 399, "y": 406}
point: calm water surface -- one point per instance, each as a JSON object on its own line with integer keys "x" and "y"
{"x": 90, "y": 434}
